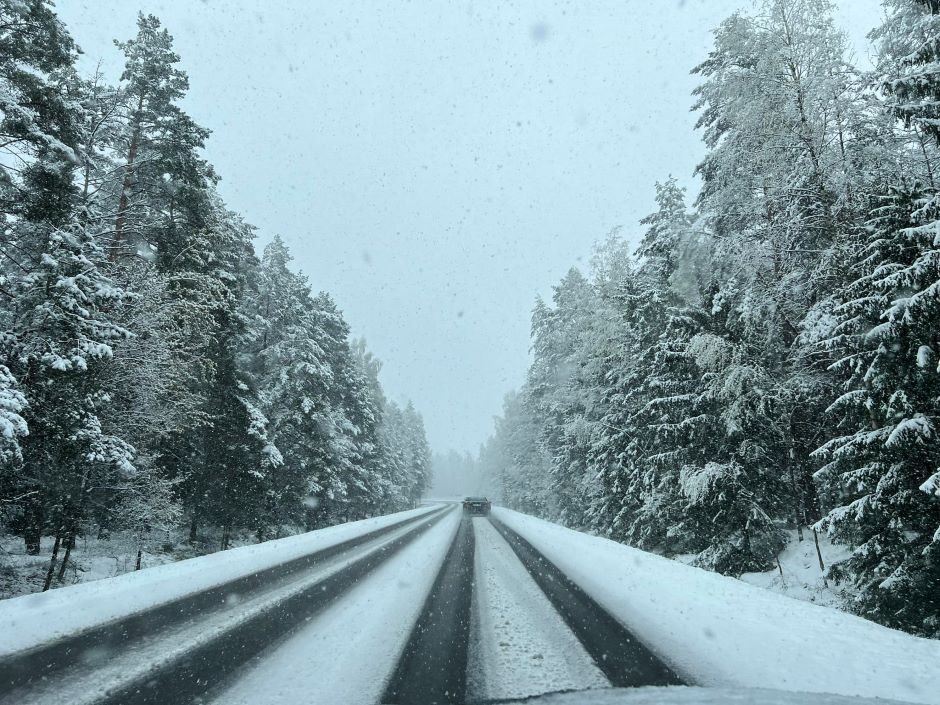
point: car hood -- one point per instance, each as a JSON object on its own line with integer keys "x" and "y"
{"x": 693, "y": 696}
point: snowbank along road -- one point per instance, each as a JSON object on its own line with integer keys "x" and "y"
{"x": 432, "y": 606}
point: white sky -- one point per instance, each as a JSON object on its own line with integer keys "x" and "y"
{"x": 435, "y": 165}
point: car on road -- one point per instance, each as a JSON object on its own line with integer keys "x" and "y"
{"x": 476, "y": 505}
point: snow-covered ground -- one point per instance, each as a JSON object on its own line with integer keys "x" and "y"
{"x": 801, "y": 576}
{"x": 718, "y": 631}
{"x": 346, "y": 654}
{"x": 92, "y": 559}
{"x": 36, "y": 618}
{"x": 519, "y": 645}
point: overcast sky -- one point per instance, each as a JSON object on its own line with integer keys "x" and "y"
{"x": 436, "y": 165}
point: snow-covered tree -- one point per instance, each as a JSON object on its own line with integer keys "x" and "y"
{"x": 878, "y": 480}
{"x": 163, "y": 192}
{"x": 59, "y": 343}
{"x": 556, "y": 393}
{"x": 882, "y": 465}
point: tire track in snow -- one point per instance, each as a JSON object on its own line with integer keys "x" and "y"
{"x": 623, "y": 659}
{"x": 77, "y": 653}
{"x": 433, "y": 667}
{"x": 189, "y": 669}
{"x": 520, "y": 645}
{"x": 347, "y": 652}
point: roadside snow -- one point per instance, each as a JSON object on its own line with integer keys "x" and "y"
{"x": 718, "y": 631}
{"x": 519, "y": 645}
{"x": 30, "y": 620}
{"x": 347, "y": 653}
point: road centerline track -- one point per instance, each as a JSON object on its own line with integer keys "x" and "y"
{"x": 623, "y": 659}
{"x": 210, "y": 654}
{"x": 433, "y": 667}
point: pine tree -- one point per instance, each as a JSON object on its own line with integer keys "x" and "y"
{"x": 220, "y": 457}
{"x": 908, "y": 74}
{"x": 60, "y": 343}
{"x": 881, "y": 464}
{"x": 656, "y": 424}
{"x": 293, "y": 375}
{"x": 419, "y": 453}
{"x": 163, "y": 193}
{"x": 37, "y": 122}
{"x": 12, "y": 425}
{"x": 881, "y": 471}
{"x": 523, "y": 468}
{"x": 60, "y": 330}
{"x": 555, "y": 393}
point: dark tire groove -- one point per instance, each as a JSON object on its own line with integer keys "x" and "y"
{"x": 620, "y": 656}
{"x": 433, "y": 666}
{"x": 209, "y": 665}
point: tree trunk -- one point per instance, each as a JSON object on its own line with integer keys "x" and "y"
{"x": 32, "y": 527}
{"x": 822, "y": 566}
{"x": 797, "y": 502}
{"x": 124, "y": 201}
{"x": 811, "y": 505}
{"x": 32, "y": 536}
{"x": 193, "y": 526}
{"x": 55, "y": 554}
{"x": 746, "y": 540}
{"x": 69, "y": 545}
{"x": 140, "y": 555}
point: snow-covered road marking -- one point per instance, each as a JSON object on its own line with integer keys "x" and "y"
{"x": 347, "y": 653}
{"x": 520, "y": 646}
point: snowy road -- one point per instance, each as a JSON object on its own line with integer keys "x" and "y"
{"x": 454, "y": 617}
{"x": 434, "y": 606}
{"x": 204, "y": 639}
